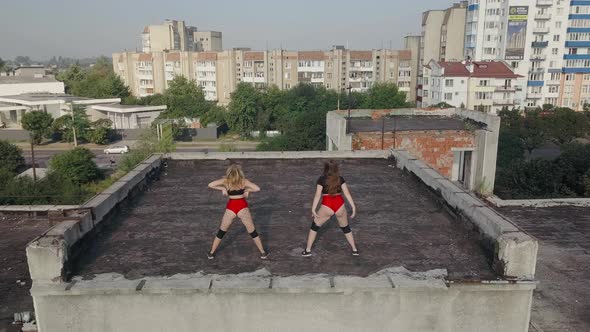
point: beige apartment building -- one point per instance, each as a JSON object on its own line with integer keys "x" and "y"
{"x": 218, "y": 73}
{"x": 443, "y": 34}
{"x": 176, "y": 35}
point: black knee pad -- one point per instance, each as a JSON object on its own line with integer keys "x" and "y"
{"x": 220, "y": 234}
{"x": 346, "y": 229}
{"x": 314, "y": 226}
{"x": 254, "y": 234}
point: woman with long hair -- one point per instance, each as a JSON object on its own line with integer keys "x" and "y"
{"x": 330, "y": 188}
{"x": 236, "y": 187}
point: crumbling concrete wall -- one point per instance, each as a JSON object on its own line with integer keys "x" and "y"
{"x": 434, "y": 147}
{"x": 514, "y": 251}
{"x": 390, "y": 300}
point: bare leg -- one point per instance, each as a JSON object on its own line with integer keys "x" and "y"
{"x": 343, "y": 222}
{"x": 246, "y": 219}
{"x": 228, "y": 218}
{"x": 324, "y": 214}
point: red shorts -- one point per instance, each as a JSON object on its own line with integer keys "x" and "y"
{"x": 236, "y": 205}
{"x": 334, "y": 202}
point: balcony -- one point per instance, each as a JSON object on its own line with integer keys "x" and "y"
{"x": 534, "y": 95}
{"x": 355, "y": 68}
{"x": 404, "y": 79}
{"x": 542, "y": 16}
{"x": 538, "y": 57}
{"x": 538, "y": 70}
{"x": 544, "y": 2}
{"x": 505, "y": 89}
{"x": 541, "y": 30}
{"x": 504, "y": 102}
{"x": 540, "y": 44}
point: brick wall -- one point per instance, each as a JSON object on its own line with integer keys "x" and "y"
{"x": 432, "y": 147}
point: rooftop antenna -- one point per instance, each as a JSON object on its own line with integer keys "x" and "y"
{"x": 347, "y": 44}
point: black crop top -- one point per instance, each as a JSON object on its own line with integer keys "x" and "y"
{"x": 322, "y": 181}
{"x": 236, "y": 192}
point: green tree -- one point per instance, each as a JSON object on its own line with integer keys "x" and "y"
{"x": 64, "y": 125}
{"x": 534, "y": 179}
{"x": 75, "y": 165}
{"x": 384, "y": 96}
{"x": 101, "y": 131}
{"x": 11, "y": 157}
{"x": 564, "y": 125}
{"x": 100, "y": 81}
{"x": 2, "y": 65}
{"x": 532, "y": 131}
{"x": 243, "y": 110}
{"x": 510, "y": 148}
{"x": 184, "y": 99}
{"x": 22, "y": 60}
{"x": 38, "y": 124}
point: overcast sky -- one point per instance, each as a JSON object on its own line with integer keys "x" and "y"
{"x": 82, "y": 28}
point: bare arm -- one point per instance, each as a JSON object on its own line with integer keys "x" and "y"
{"x": 219, "y": 185}
{"x": 348, "y": 196}
{"x": 316, "y": 200}
{"x": 251, "y": 187}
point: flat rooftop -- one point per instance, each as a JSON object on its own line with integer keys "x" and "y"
{"x": 26, "y": 79}
{"x": 168, "y": 229}
{"x": 406, "y": 123}
{"x": 563, "y": 266}
{"x": 14, "y": 297}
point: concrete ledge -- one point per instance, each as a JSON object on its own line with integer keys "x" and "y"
{"x": 541, "y": 203}
{"x": 121, "y": 305}
{"x": 515, "y": 252}
{"x": 277, "y": 155}
{"x": 314, "y": 283}
{"x": 48, "y": 254}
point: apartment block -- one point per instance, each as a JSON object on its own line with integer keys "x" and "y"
{"x": 442, "y": 33}
{"x": 177, "y": 36}
{"x": 218, "y": 73}
{"x": 529, "y": 35}
{"x": 486, "y": 86}
{"x": 574, "y": 83}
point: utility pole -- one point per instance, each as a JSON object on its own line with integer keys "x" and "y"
{"x": 33, "y": 160}
{"x": 349, "y": 88}
{"x": 73, "y": 125}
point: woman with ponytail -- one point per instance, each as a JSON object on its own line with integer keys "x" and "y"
{"x": 330, "y": 188}
{"x": 236, "y": 187}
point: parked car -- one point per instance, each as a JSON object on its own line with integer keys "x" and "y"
{"x": 117, "y": 149}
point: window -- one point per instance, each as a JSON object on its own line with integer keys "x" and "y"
{"x": 449, "y": 83}
{"x": 555, "y": 51}
{"x": 448, "y": 96}
{"x": 555, "y": 37}
{"x": 484, "y": 82}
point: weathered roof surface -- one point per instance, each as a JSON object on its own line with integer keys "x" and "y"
{"x": 16, "y": 233}
{"x": 169, "y": 229}
{"x": 561, "y": 301}
{"x": 406, "y": 123}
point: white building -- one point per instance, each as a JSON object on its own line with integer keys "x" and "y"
{"x": 15, "y": 85}
{"x": 486, "y": 86}
{"x": 127, "y": 116}
{"x": 12, "y": 108}
{"x": 529, "y": 35}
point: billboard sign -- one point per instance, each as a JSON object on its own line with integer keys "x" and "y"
{"x": 517, "y": 29}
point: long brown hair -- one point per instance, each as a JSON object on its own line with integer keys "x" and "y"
{"x": 332, "y": 174}
{"x": 234, "y": 177}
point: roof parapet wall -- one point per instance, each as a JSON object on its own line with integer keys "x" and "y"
{"x": 515, "y": 252}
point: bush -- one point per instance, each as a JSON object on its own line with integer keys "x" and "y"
{"x": 11, "y": 157}
{"x": 76, "y": 166}
{"x": 225, "y": 147}
{"x": 100, "y": 135}
{"x": 52, "y": 190}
